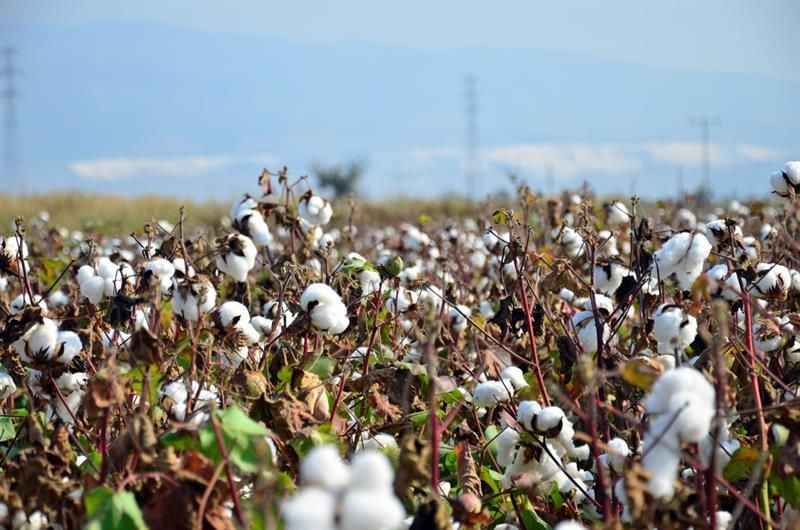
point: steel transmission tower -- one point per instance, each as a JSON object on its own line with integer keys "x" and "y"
{"x": 471, "y": 159}
{"x": 9, "y": 95}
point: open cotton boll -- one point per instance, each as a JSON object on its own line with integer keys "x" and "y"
{"x": 571, "y": 242}
{"x": 380, "y": 441}
{"x": 526, "y": 412}
{"x": 607, "y": 247}
{"x": 490, "y": 393}
{"x": 787, "y": 181}
{"x": 232, "y": 313}
{"x": 566, "y": 295}
{"x": 682, "y": 256}
{"x": 515, "y": 375}
{"x": 193, "y": 299}
{"x": 724, "y": 284}
{"x": 330, "y": 319}
{"x": 686, "y": 219}
{"x": 400, "y": 300}
{"x": 66, "y": 409}
{"x": 370, "y": 510}
{"x": 7, "y": 385}
{"x": 586, "y": 329}
{"x": 369, "y": 281}
{"x": 569, "y": 525}
{"x": 22, "y": 301}
{"x": 10, "y": 247}
{"x": 93, "y": 289}
{"x": 661, "y": 458}
{"x": 506, "y": 445}
{"x": 617, "y": 214}
{"x": 38, "y": 342}
{"x": 72, "y": 381}
{"x": 251, "y": 223}
{"x": 608, "y": 276}
{"x": 68, "y": 346}
{"x": 617, "y": 452}
{"x": 323, "y": 467}
{"x": 309, "y": 508}
{"x": 316, "y": 210}
{"x": 237, "y": 256}
{"x": 57, "y": 298}
{"x": 603, "y": 303}
{"x": 370, "y": 470}
{"x": 773, "y": 281}
{"x": 459, "y": 317}
{"x": 549, "y": 419}
{"x": 720, "y": 230}
{"x": 674, "y": 329}
{"x": 318, "y": 293}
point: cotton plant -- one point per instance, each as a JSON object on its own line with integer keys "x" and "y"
{"x": 104, "y": 280}
{"x": 175, "y": 399}
{"x": 234, "y": 318}
{"x": 674, "y": 329}
{"x": 336, "y": 496}
{"x": 193, "y": 298}
{"x": 315, "y": 210}
{"x": 786, "y": 182}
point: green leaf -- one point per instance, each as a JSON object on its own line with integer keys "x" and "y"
{"x": 741, "y": 464}
{"x": 452, "y": 397}
{"x": 113, "y": 511}
{"x": 788, "y": 488}
{"x": 556, "y": 497}
{"x": 532, "y": 521}
{"x": 323, "y": 366}
{"x": 7, "y": 429}
{"x": 240, "y": 434}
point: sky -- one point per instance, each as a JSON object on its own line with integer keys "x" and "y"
{"x": 172, "y": 97}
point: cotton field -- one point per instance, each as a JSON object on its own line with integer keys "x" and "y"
{"x": 557, "y": 362}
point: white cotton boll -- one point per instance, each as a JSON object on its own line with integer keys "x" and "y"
{"x": 111, "y": 286}
{"x": 176, "y": 391}
{"x": 7, "y": 385}
{"x": 367, "y": 510}
{"x": 261, "y": 325}
{"x": 586, "y": 329}
{"x": 491, "y": 393}
{"x": 250, "y": 333}
{"x": 253, "y": 225}
{"x": 57, "y": 298}
{"x": 192, "y": 300}
{"x": 180, "y": 267}
{"x": 572, "y": 242}
{"x": 316, "y": 210}
{"x": 617, "y": 452}
{"x": 323, "y": 467}
{"x": 93, "y": 289}
{"x": 330, "y": 318}
{"x": 683, "y": 256}
{"x": 231, "y": 360}
{"x": 662, "y": 461}
{"x": 773, "y": 281}
{"x": 674, "y": 329}
{"x": 39, "y": 342}
{"x": 160, "y": 267}
{"x": 234, "y": 266}
{"x": 526, "y": 412}
{"x": 318, "y": 293}
{"x": 66, "y": 409}
{"x": 72, "y": 381}
{"x": 506, "y": 444}
{"x": 11, "y": 249}
{"x": 106, "y": 268}
{"x": 549, "y": 418}
{"x": 369, "y": 281}
{"x": 795, "y": 280}
{"x": 618, "y": 214}
{"x": 246, "y": 203}
{"x": 380, "y": 441}
{"x": 724, "y": 520}
{"x": 569, "y": 525}
{"x": 566, "y": 295}
{"x": 608, "y": 244}
{"x": 608, "y": 277}
{"x": 783, "y": 182}
{"x": 603, "y": 303}
{"x": 515, "y": 375}
{"x": 494, "y": 241}
{"x": 20, "y": 302}
{"x": 400, "y": 300}
{"x": 309, "y": 509}
{"x": 68, "y": 346}
{"x": 686, "y": 219}
{"x": 459, "y": 317}
{"x": 486, "y": 309}
{"x": 725, "y": 285}
{"x": 84, "y": 273}
{"x": 232, "y": 314}
{"x": 510, "y": 271}
{"x": 370, "y": 470}
{"x": 477, "y": 260}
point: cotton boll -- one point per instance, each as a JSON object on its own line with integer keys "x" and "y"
{"x": 617, "y": 452}
{"x": 7, "y": 385}
{"x": 181, "y": 270}
{"x": 381, "y": 441}
{"x": 724, "y": 520}
{"x": 57, "y": 298}
{"x": 566, "y": 295}
{"x": 39, "y": 342}
{"x": 549, "y": 419}
{"x": 316, "y": 210}
{"x": 506, "y": 444}
{"x": 93, "y": 289}
{"x": 368, "y": 510}
{"x": 318, "y": 293}
{"x": 586, "y": 329}
{"x": 161, "y": 268}
{"x": 370, "y": 470}
{"x": 572, "y": 242}
{"x": 22, "y": 301}
{"x": 323, "y": 467}
{"x": 602, "y": 302}
{"x": 68, "y": 408}
{"x": 773, "y": 281}
{"x": 10, "y": 247}
{"x": 785, "y": 183}
{"x": 617, "y": 214}
{"x": 400, "y": 300}
{"x": 515, "y": 375}
{"x": 369, "y": 281}
{"x": 569, "y": 525}
{"x": 608, "y": 244}
{"x": 84, "y": 273}
{"x": 608, "y": 276}
{"x": 331, "y": 318}
{"x": 237, "y": 256}
{"x": 683, "y": 256}
{"x": 459, "y": 317}
{"x": 661, "y": 460}
{"x": 477, "y": 260}
{"x": 68, "y": 346}
{"x": 309, "y": 508}
{"x": 491, "y": 393}
{"x": 674, "y": 328}
{"x": 232, "y": 314}
{"x": 724, "y": 284}
{"x": 686, "y": 219}
{"x": 526, "y": 412}
{"x": 251, "y": 223}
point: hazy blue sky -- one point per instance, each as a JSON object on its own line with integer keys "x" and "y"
{"x": 149, "y": 95}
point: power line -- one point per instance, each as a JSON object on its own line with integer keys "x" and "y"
{"x": 471, "y": 110}
{"x": 705, "y": 123}
{"x": 9, "y": 95}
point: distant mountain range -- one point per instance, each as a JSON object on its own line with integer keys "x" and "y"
{"x": 134, "y": 108}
